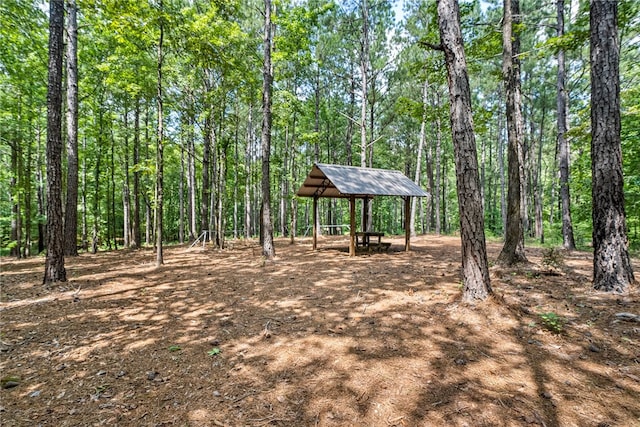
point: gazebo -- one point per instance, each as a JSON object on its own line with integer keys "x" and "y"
{"x": 336, "y": 181}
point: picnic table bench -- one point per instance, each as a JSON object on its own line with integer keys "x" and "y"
{"x": 363, "y": 239}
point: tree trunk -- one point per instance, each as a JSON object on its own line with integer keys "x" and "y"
{"x": 126, "y": 199}
{"x": 421, "y": 142}
{"x": 513, "y": 249}
{"x": 247, "y": 174}
{"x": 191, "y": 182}
{"x": 14, "y": 191}
{"x": 205, "y": 200}
{"x": 439, "y": 184}
{"x": 537, "y": 181}
{"x": 568, "y": 241}
{"x": 71, "y": 209}
{"x": 136, "y": 234}
{"x": 364, "y": 83}
{"x": 54, "y": 270}
{"x": 160, "y": 148}
{"x": 181, "y": 209}
{"x": 612, "y": 271}
{"x": 477, "y": 285}
{"x": 268, "y": 249}
{"x": 113, "y": 194}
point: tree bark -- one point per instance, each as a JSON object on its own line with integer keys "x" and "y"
{"x": 513, "y": 249}
{"x": 477, "y": 285}
{"x": 268, "y": 249}
{"x": 160, "y": 147}
{"x": 71, "y": 209}
{"x": 14, "y": 191}
{"x": 421, "y": 142}
{"x": 54, "y": 270}
{"x": 191, "y": 182}
{"x": 612, "y": 271}
{"x": 247, "y": 174}
{"x": 136, "y": 235}
{"x": 568, "y": 241}
{"x": 126, "y": 196}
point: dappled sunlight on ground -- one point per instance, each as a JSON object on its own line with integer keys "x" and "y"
{"x": 225, "y": 338}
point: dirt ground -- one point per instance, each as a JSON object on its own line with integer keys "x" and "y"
{"x": 223, "y": 338}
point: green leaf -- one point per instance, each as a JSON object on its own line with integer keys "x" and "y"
{"x": 175, "y": 348}
{"x": 214, "y": 351}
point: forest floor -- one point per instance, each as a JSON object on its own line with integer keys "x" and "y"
{"x": 223, "y": 338}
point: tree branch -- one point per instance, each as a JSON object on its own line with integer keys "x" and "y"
{"x": 431, "y": 45}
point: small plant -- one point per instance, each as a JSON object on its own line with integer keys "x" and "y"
{"x": 214, "y": 351}
{"x": 552, "y": 257}
{"x": 174, "y": 348}
{"x": 552, "y": 322}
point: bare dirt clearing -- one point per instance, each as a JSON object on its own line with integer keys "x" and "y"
{"x": 221, "y": 338}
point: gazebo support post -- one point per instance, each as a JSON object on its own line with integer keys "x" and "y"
{"x": 315, "y": 223}
{"x": 352, "y": 226}
{"x": 407, "y": 223}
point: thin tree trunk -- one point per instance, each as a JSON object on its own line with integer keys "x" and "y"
{"x": 537, "y": 181}
{"x": 191, "y": 182}
{"x": 612, "y": 270}
{"x": 439, "y": 193}
{"x": 364, "y": 83}
{"x": 54, "y": 270}
{"x": 14, "y": 187}
{"x": 71, "y": 209}
{"x": 205, "y": 200}
{"x": 477, "y": 285}
{"x": 181, "y": 198}
{"x": 568, "y": 241}
{"x": 96, "y": 185}
{"x": 27, "y": 197}
{"x": 421, "y": 142}
{"x": 236, "y": 174}
{"x": 126, "y": 199}
{"x": 513, "y": 249}
{"x": 160, "y": 148}
{"x": 136, "y": 235}
{"x": 268, "y": 249}
{"x": 113, "y": 193}
{"x": 247, "y": 172}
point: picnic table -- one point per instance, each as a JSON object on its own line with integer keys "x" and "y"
{"x": 363, "y": 239}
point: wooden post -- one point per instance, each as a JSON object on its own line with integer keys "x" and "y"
{"x": 352, "y": 231}
{"x": 365, "y": 214}
{"x": 407, "y": 223}
{"x": 315, "y": 223}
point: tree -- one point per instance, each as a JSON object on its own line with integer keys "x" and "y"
{"x": 477, "y": 285}
{"x": 568, "y": 241}
{"x": 612, "y": 270}
{"x": 71, "y": 210}
{"x": 54, "y": 270}
{"x": 513, "y": 249}
{"x": 160, "y": 144}
{"x": 268, "y": 249}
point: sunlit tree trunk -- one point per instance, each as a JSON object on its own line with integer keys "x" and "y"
{"x": 513, "y": 249}
{"x": 568, "y": 241}
{"x": 71, "y": 209}
{"x": 477, "y": 285}
{"x": 612, "y": 270}
{"x": 54, "y": 270}
{"x": 421, "y": 142}
{"x": 247, "y": 174}
{"x": 136, "y": 235}
{"x": 160, "y": 146}
{"x": 268, "y": 249}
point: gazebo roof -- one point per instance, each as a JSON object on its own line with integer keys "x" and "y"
{"x": 344, "y": 181}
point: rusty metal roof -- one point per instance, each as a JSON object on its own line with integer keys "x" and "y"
{"x": 344, "y": 181}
